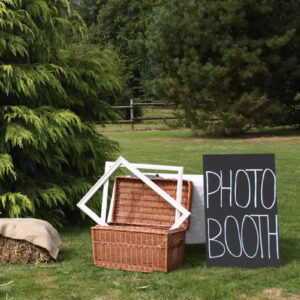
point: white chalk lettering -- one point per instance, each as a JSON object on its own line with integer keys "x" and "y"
{"x": 262, "y": 188}
{"x": 214, "y": 239}
{"x": 273, "y": 234}
{"x": 250, "y": 228}
{"x": 226, "y": 188}
{"x": 246, "y": 197}
{"x": 207, "y": 186}
{"x": 255, "y": 183}
{"x": 238, "y": 236}
{"x": 242, "y": 236}
{"x": 260, "y": 235}
{"x": 235, "y": 189}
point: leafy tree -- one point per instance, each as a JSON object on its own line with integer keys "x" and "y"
{"x": 121, "y": 24}
{"x": 229, "y": 65}
{"x": 50, "y": 151}
{"x": 88, "y": 9}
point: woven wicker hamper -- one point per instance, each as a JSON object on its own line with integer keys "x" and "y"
{"x": 139, "y": 236}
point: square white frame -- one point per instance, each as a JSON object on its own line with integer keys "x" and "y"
{"x": 111, "y": 167}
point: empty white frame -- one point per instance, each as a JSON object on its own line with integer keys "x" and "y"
{"x": 179, "y": 176}
{"x": 111, "y": 167}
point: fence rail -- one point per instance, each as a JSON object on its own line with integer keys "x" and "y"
{"x": 133, "y": 119}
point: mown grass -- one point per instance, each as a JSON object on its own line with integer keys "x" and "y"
{"x": 75, "y": 277}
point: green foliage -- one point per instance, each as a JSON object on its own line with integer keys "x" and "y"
{"x": 88, "y": 9}
{"x": 121, "y": 25}
{"x": 229, "y": 65}
{"x": 52, "y": 93}
{"x": 6, "y": 166}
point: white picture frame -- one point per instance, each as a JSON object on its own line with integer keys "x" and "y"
{"x": 181, "y": 213}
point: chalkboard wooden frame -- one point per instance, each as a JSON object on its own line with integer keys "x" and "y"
{"x": 241, "y": 210}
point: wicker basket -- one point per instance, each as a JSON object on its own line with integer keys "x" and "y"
{"x": 139, "y": 236}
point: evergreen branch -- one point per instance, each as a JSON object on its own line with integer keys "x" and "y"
{"x": 16, "y": 203}
{"x": 22, "y": 113}
{"x": 6, "y": 166}
{"x": 17, "y": 135}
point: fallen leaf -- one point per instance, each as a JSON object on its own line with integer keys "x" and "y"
{"x": 143, "y": 287}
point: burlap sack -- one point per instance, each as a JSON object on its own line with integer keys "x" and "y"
{"x": 37, "y": 232}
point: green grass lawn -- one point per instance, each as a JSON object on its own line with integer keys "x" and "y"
{"x": 75, "y": 277}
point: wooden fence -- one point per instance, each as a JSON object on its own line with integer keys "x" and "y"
{"x": 134, "y": 119}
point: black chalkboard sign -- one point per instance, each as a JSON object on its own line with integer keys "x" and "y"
{"x": 241, "y": 211}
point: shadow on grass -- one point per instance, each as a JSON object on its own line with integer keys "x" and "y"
{"x": 76, "y": 243}
{"x": 65, "y": 254}
{"x": 289, "y": 250}
{"x": 195, "y": 256}
{"x": 287, "y": 131}
{"x": 276, "y": 131}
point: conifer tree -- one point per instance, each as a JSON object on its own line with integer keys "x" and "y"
{"x": 230, "y": 64}
{"x": 50, "y": 151}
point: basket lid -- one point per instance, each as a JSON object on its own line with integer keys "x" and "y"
{"x": 135, "y": 203}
